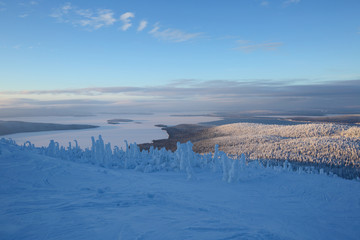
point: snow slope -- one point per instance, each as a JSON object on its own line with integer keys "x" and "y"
{"x": 50, "y": 198}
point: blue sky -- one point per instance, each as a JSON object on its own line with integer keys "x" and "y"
{"x": 54, "y": 45}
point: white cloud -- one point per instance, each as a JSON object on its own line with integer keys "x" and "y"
{"x": 125, "y": 18}
{"x": 142, "y": 25}
{"x": 34, "y": 3}
{"x": 172, "y": 35}
{"x": 248, "y": 46}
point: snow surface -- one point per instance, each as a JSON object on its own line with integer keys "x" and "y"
{"x": 45, "y": 197}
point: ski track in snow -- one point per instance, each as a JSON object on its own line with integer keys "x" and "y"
{"x": 48, "y": 198}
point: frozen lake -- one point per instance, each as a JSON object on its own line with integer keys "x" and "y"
{"x": 141, "y": 130}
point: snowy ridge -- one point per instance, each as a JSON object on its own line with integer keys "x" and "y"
{"x": 184, "y": 159}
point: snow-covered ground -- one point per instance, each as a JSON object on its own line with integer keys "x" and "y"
{"x": 49, "y": 198}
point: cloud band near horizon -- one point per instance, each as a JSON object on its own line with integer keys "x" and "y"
{"x": 193, "y": 96}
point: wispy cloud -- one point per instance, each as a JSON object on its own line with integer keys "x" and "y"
{"x": 103, "y": 17}
{"x": 62, "y": 11}
{"x": 27, "y": 7}
{"x": 142, "y": 25}
{"x": 84, "y": 17}
{"x": 93, "y": 20}
{"x": 248, "y": 46}
{"x": 17, "y": 47}
{"x": 23, "y": 15}
{"x": 289, "y": 2}
{"x": 243, "y": 42}
{"x": 126, "y": 20}
{"x": 28, "y": 3}
{"x": 24, "y": 46}
{"x": 264, "y": 3}
{"x": 172, "y": 35}
{"x": 2, "y": 6}
{"x": 81, "y": 91}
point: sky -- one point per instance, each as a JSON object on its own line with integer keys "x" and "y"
{"x": 197, "y": 56}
